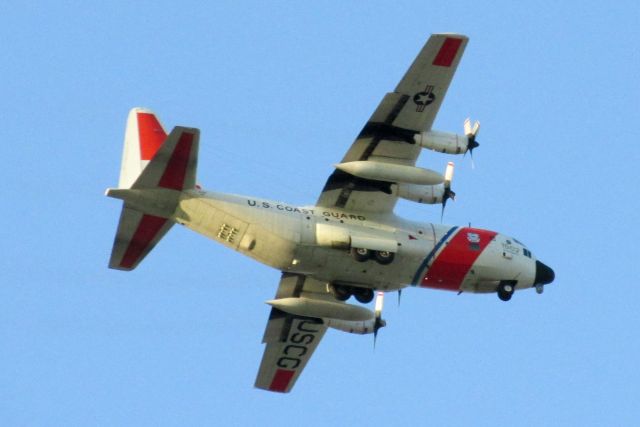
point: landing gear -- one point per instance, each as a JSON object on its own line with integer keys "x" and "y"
{"x": 539, "y": 288}
{"x": 341, "y": 293}
{"x": 363, "y": 254}
{"x": 505, "y": 290}
{"x": 384, "y": 257}
{"x": 363, "y": 295}
{"x": 344, "y": 292}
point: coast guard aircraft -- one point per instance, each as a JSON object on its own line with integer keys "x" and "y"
{"x": 350, "y": 243}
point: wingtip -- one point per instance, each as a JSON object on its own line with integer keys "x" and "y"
{"x": 463, "y": 36}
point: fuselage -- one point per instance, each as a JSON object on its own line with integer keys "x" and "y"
{"x": 316, "y": 242}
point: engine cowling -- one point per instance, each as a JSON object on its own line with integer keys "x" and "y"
{"x": 443, "y": 142}
{"x": 390, "y": 172}
{"x": 353, "y": 327}
{"x": 427, "y": 194}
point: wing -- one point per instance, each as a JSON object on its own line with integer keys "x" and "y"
{"x": 291, "y": 340}
{"x": 388, "y": 136}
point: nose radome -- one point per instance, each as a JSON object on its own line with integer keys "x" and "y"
{"x": 544, "y": 274}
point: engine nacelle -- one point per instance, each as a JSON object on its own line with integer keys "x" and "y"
{"x": 390, "y": 172}
{"x": 428, "y": 194}
{"x": 362, "y": 327}
{"x": 443, "y": 142}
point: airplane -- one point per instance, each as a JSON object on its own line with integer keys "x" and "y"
{"x": 350, "y": 243}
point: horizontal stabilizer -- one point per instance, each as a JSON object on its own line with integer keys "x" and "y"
{"x": 137, "y": 234}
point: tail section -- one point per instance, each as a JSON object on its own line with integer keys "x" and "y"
{"x": 156, "y": 168}
{"x": 137, "y": 234}
{"x": 142, "y": 139}
{"x": 173, "y": 166}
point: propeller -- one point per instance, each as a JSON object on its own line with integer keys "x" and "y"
{"x": 379, "y": 321}
{"x": 448, "y": 192}
{"x": 471, "y": 132}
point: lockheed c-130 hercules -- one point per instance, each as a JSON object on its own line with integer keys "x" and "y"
{"x": 350, "y": 243}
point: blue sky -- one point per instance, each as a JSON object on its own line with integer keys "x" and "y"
{"x": 279, "y": 91}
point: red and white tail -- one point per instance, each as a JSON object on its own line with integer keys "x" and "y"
{"x": 156, "y": 169}
{"x": 142, "y": 139}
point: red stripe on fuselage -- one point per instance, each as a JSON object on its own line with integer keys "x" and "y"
{"x": 452, "y": 264}
{"x": 150, "y": 134}
{"x": 447, "y": 52}
{"x": 147, "y": 229}
{"x": 281, "y": 380}
{"x": 174, "y": 174}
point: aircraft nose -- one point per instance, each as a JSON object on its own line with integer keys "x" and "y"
{"x": 544, "y": 274}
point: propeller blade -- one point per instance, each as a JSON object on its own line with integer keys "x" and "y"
{"x": 476, "y": 128}
{"x": 448, "y": 192}
{"x": 467, "y": 126}
{"x": 399, "y": 296}
{"x": 448, "y": 175}
{"x": 379, "y": 304}
{"x": 471, "y": 132}
{"x": 379, "y": 322}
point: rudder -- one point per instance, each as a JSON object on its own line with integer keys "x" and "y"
{"x": 143, "y": 137}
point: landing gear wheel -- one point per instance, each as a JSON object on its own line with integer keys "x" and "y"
{"x": 503, "y": 296}
{"x": 505, "y": 291}
{"x": 361, "y": 254}
{"x": 363, "y": 295}
{"x": 539, "y": 288}
{"x": 341, "y": 293}
{"x": 384, "y": 257}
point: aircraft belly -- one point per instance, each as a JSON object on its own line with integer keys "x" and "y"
{"x": 338, "y": 265}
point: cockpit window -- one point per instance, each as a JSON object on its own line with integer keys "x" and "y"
{"x": 526, "y": 252}
{"x": 518, "y": 242}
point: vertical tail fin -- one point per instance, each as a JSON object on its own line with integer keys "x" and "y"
{"x": 156, "y": 168}
{"x": 142, "y": 139}
{"x": 174, "y": 164}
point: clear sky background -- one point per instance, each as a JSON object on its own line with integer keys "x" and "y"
{"x": 279, "y": 91}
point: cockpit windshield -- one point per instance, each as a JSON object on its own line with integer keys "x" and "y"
{"x": 526, "y": 252}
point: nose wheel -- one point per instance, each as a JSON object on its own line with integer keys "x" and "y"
{"x": 506, "y": 289}
{"x": 539, "y": 288}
